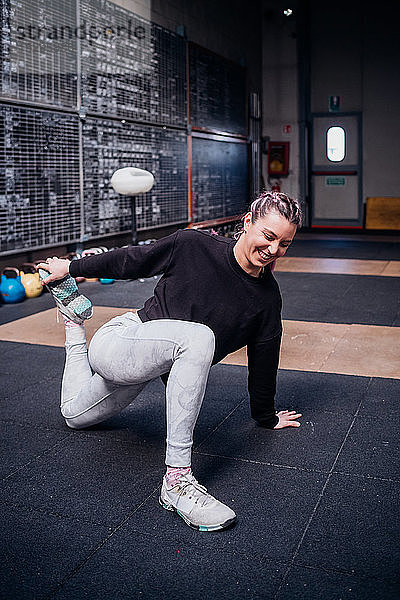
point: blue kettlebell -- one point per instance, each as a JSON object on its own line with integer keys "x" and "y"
{"x": 11, "y": 288}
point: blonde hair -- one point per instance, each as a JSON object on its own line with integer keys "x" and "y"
{"x": 273, "y": 201}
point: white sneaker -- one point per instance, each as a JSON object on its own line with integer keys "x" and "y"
{"x": 197, "y": 508}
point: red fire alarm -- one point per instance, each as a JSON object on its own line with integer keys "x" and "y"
{"x": 287, "y": 129}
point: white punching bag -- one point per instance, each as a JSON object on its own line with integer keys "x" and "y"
{"x": 130, "y": 181}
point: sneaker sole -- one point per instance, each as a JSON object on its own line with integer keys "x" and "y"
{"x": 66, "y": 311}
{"x": 204, "y": 528}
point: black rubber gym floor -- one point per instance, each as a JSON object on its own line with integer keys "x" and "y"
{"x": 317, "y": 506}
{"x": 345, "y": 247}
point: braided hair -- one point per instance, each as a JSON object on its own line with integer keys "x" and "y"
{"x": 273, "y": 201}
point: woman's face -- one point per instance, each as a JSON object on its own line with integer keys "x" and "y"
{"x": 265, "y": 240}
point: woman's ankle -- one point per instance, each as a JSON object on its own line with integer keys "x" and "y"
{"x": 173, "y": 475}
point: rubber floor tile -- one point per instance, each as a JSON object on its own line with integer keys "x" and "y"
{"x": 272, "y": 505}
{"x": 339, "y": 298}
{"x": 382, "y": 398}
{"x": 36, "y": 404}
{"x": 368, "y": 300}
{"x": 88, "y": 477}
{"x": 314, "y": 445}
{"x": 38, "y": 550}
{"x": 132, "y": 566}
{"x": 372, "y": 448}
{"x": 345, "y": 248}
{"x": 314, "y": 584}
{"x": 310, "y": 296}
{"x": 355, "y": 529}
{"x": 21, "y": 444}
{"x": 330, "y": 392}
{"x": 23, "y": 364}
{"x": 17, "y": 393}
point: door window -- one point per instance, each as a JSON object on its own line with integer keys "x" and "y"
{"x": 335, "y": 144}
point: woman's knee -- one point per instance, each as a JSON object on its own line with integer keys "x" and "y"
{"x": 203, "y": 341}
{"x": 72, "y": 424}
{"x": 82, "y": 420}
{"x": 77, "y": 421}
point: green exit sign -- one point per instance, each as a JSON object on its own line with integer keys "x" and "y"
{"x": 334, "y": 104}
{"x": 335, "y": 180}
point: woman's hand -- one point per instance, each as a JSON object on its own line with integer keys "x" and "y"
{"x": 58, "y": 268}
{"x": 287, "y": 419}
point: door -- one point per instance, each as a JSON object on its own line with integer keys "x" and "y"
{"x": 336, "y": 195}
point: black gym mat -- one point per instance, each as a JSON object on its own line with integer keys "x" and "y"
{"x": 80, "y": 508}
{"x": 345, "y": 248}
{"x": 340, "y": 298}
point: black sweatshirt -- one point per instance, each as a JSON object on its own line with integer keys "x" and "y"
{"x": 203, "y": 282}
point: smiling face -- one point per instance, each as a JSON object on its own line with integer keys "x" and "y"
{"x": 264, "y": 241}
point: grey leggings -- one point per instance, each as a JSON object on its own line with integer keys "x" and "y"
{"x": 126, "y": 354}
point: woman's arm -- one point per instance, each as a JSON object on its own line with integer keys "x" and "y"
{"x": 130, "y": 262}
{"x": 263, "y": 360}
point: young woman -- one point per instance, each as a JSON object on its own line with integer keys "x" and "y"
{"x": 215, "y": 296}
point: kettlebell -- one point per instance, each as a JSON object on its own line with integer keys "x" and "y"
{"x": 11, "y": 288}
{"x": 30, "y": 280}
